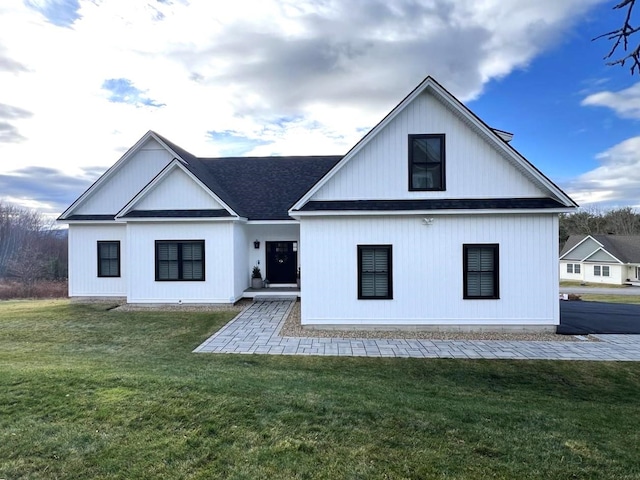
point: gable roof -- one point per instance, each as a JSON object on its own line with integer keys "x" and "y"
{"x": 255, "y": 188}
{"x": 170, "y": 147}
{"x": 277, "y": 188}
{"x": 625, "y": 248}
{"x": 498, "y": 138}
{"x": 130, "y": 211}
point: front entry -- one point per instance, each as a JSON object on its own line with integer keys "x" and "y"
{"x": 282, "y": 261}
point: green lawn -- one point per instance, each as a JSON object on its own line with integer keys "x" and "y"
{"x": 91, "y": 393}
{"x": 572, "y": 283}
{"x": 594, "y": 297}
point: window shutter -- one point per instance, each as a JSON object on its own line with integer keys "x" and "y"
{"x": 374, "y": 272}
{"x": 368, "y": 273}
{"x": 480, "y": 271}
{"x": 167, "y": 261}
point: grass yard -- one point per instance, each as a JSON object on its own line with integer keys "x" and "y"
{"x": 592, "y": 297}
{"x": 573, "y": 283}
{"x": 91, "y": 393}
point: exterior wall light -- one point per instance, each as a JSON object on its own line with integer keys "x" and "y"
{"x": 256, "y": 244}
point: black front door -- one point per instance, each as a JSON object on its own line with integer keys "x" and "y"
{"x": 282, "y": 262}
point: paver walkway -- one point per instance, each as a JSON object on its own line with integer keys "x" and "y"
{"x": 257, "y": 330}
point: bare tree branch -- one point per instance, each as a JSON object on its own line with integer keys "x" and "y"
{"x": 621, "y": 38}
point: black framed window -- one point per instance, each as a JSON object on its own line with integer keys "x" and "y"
{"x": 109, "y": 258}
{"x": 426, "y": 162}
{"x": 481, "y": 278}
{"x": 374, "y": 272}
{"x": 576, "y": 268}
{"x": 596, "y": 270}
{"x": 179, "y": 260}
{"x": 605, "y": 271}
{"x": 569, "y": 267}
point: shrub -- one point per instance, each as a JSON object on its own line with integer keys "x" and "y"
{"x": 41, "y": 289}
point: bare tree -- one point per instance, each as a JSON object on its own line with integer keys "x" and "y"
{"x": 16, "y": 224}
{"x": 619, "y": 221}
{"x": 28, "y": 265}
{"x": 30, "y": 248}
{"x": 620, "y": 38}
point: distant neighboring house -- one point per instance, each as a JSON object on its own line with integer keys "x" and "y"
{"x": 613, "y": 259}
{"x": 431, "y": 219}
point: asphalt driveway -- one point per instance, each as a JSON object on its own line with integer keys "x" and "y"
{"x": 581, "y": 318}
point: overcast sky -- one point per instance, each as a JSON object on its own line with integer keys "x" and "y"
{"x": 82, "y": 80}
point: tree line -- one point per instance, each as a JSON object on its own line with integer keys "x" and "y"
{"x": 592, "y": 221}
{"x": 31, "y": 248}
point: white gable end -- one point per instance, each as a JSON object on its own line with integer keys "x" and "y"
{"x": 177, "y": 191}
{"x": 131, "y": 177}
{"x": 474, "y": 168}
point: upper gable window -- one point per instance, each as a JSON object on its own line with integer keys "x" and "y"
{"x": 426, "y": 162}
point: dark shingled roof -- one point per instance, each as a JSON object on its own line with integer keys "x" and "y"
{"x": 177, "y": 214}
{"x": 91, "y": 217}
{"x": 434, "y": 204}
{"x": 265, "y": 188}
{"x": 625, "y": 248}
{"x": 261, "y": 188}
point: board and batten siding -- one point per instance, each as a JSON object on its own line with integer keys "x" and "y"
{"x": 177, "y": 191}
{"x": 218, "y": 286}
{"x": 83, "y": 261}
{"x": 427, "y": 270}
{"x": 127, "y": 181}
{"x": 380, "y": 170}
{"x": 241, "y": 267}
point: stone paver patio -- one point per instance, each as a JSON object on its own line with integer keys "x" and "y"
{"x": 257, "y": 330}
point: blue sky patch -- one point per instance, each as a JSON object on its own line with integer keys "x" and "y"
{"x": 62, "y": 13}
{"x": 233, "y": 145}
{"x": 123, "y": 91}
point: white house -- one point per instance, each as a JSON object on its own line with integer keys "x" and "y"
{"x": 612, "y": 259}
{"x": 431, "y": 219}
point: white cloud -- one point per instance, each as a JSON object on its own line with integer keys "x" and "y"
{"x": 616, "y": 182}
{"x": 626, "y": 103}
{"x": 305, "y": 76}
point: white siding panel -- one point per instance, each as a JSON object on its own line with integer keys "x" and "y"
{"x": 219, "y": 259}
{"x": 576, "y": 277}
{"x": 83, "y": 261}
{"x": 616, "y": 274}
{"x": 241, "y": 267}
{"x": 177, "y": 191}
{"x": 126, "y": 182}
{"x": 474, "y": 169}
{"x": 427, "y": 270}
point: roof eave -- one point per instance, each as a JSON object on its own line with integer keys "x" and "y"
{"x": 474, "y": 211}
